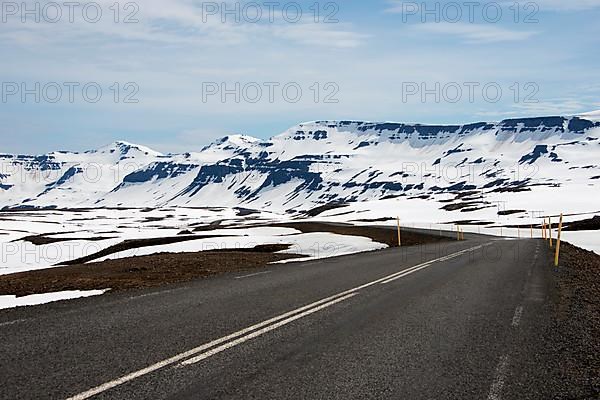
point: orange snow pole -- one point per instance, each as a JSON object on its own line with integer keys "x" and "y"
{"x": 544, "y": 229}
{"x": 550, "y": 230}
{"x": 556, "y": 255}
{"x": 531, "y": 230}
{"x": 399, "y": 236}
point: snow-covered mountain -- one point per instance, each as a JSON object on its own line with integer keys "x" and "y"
{"x": 317, "y": 163}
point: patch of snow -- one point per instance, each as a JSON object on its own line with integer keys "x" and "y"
{"x": 592, "y": 115}
{"x": 589, "y": 240}
{"x": 36, "y": 299}
{"x": 313, "y": 245}
{"x": 326, "y": 245}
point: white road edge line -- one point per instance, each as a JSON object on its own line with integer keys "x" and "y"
{"x": 12, "y": 322}
{"x": 258, "y": 333}
{"x": 517, "y": 318}
{"x": 251, "y": 275}
{"x": 182, "y": 356}
{"x": 428, "y": 264}
{"x": 193, "y": 352}
{"x": 141, "y": 296}
{"x": 408, "y": 272}
{"x": 499, "y": 379}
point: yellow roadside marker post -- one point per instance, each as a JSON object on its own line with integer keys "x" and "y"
{"x": 544, "y": 229}
{"x": 556, "y": 255}
{"x": 531, "y": 231}
{"x": 550, "y": 230}
{"x": 457, "y": 232}
{"x": 399, "y": 237}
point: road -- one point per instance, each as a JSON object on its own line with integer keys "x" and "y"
{"x": 457, "y": 320}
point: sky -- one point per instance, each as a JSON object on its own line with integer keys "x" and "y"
{"x": 176, "y": 75}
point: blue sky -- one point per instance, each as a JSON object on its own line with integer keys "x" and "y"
{"x": 369, "y": 58}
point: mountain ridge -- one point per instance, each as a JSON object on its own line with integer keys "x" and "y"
{"x": 314, "y": 163}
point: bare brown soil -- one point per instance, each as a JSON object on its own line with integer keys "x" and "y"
{"x": 471, "y": 222}
{"x": 577, "y": 330}
{"x": 168, "y": 268}
{"x": 40, "y": 240}
{"x": 210, "y": 227}
{"x": 458, "y": 206}
{"x": 136, "y": 244}
{"x": 321, "y": 209}
{"x": 512, "y": 189}
{"x": 378, "y": 234}
{"x": 590, "y": 224}
{"x": 382, "y": 219}
{"x": 466, "y": 206}
{"x": 511, "y": 212}
{"x": 141, "y": 272}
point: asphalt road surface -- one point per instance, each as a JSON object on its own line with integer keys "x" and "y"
{"x": 457, "y": 320}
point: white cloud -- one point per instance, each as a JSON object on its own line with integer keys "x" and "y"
{"x": 476, "y": 33}
{"x": 567, "y": 5}
{"x": 321, "y": 35}
{"x": 558, "y": 106}
{"x": 180, "y": 22}
{"x": 396, "y": 6}
{"x": 401, "y": 6}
